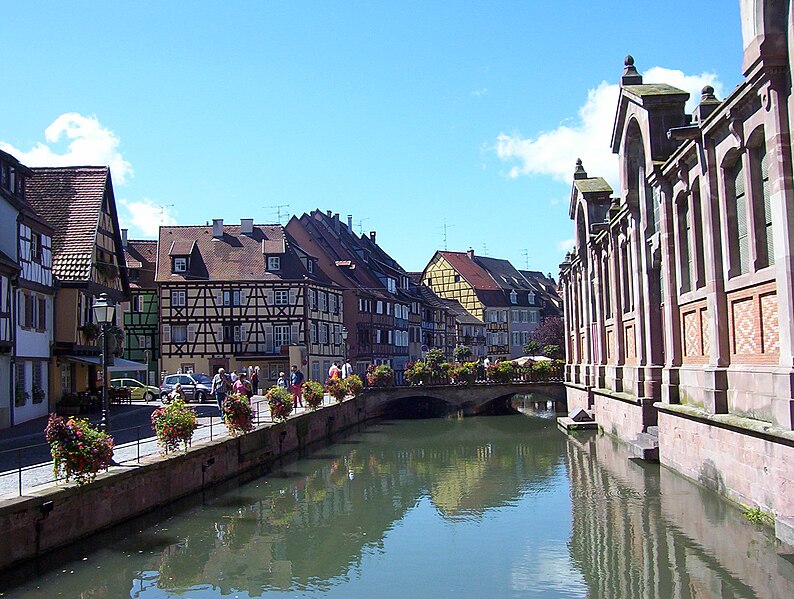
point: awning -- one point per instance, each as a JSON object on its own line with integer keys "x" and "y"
{"x": 120, "y": 363}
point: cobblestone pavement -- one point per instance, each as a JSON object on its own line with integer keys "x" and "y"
{"x": 26, "y": 464}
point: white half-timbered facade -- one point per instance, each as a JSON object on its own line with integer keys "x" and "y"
{"x": 244, "y": 296}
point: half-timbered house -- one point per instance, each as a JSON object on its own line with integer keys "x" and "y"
{"x": 141, "y": 330}
{"x": 234, "y": 296}
{"x": 87, "y": 260}
{"x": 374, "y": 286}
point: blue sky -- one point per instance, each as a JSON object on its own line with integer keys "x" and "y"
{"x": 407, "y": 115}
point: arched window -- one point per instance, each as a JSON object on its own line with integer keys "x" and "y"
{"x": 738, "y": 222}
{"x": 684, "y": 248}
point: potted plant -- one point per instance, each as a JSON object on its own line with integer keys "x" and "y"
{"x": 336, "y": 388}
{"x": 90, "y": 331}
{"x": 79, "y": 450}
{"x": 38, "y": 394}
{"x": 501, "y": 372}
{"x": 465, "y": 373}
{"x": 313, "y": 394}
{"x": 280, "y": 402}
{"x": 354, "y": 385}
{"x": 418, "y": 373}
{"x": 173, "y": 424}
{"x": 237, "y": 414}
{"x": 20, "y": 396}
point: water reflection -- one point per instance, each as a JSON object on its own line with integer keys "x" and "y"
{"x": 480, "y": 507}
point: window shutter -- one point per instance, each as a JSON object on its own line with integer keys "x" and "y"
{"x": 166, "y": 333}
{"x": 218, "y": 298}
{"x": 191, "y": 333}
{"x": 269, "y": 338}
{"x": 270, "y": 297}
{"x": 295, "y": 333}
{"x": 244, "y": 335}
{"x": 293, "y": 294}
{"x": 242, "y": 297}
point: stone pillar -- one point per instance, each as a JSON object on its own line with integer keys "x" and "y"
{"x": 671, "y": 328}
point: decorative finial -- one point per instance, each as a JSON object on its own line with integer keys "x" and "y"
{"x": 707, "y": 93}
{"x": 579, "y": 172}
{"x": 630, "y": 74}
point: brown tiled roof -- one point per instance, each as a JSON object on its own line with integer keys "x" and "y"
{"x": 234, "y": 257}
{"x": 69, "y": 199}
{"x": 141, "y": 254}
{"x": 181, "y": 247}
{"x": 475, "y": 274}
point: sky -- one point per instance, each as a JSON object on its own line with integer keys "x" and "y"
{"x": 443, "y": 124}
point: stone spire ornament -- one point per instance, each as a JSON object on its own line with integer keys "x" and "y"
{"x": 630, "y": 74}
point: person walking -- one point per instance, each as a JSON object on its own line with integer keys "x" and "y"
{"x": 295, "y": 381}
{"x": 347, "y": 369}
{"x": 334, "y": 372}
{"x": 220, "y": 387}
{"x": 255, "y": 381}
{"x": 242, "y": 386}
{"x": 282, "y": 381}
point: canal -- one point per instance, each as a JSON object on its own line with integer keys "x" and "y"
{"x": 497, "y": 506}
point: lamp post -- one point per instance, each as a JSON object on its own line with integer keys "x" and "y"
{"x": 344, "y": 344}
{"x": 104, "y": 309}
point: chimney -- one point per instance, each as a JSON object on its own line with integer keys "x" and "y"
{"x": 217, "y": 228}
{"x": 124, "y": 238}
{"x": 470, "y": 253}
{"x": 247, "y": 226}
{"x": 372, "y": 236}
{"x": 350, "y": 222}
{"x": 328, "y": 213}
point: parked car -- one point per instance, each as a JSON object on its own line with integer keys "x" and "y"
{"x": 196, "y": 387}
{"x": 138, "y": 390}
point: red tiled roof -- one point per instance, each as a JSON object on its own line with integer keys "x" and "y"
{"x": 69, "y": 199}
{"x": 234, "y": 257}
{"x": 141, "y": 254}
{"x": 181, "y": 247}
{"x": 477, "y": 276}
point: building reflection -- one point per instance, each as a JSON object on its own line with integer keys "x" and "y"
{"x": 639, "y": 531}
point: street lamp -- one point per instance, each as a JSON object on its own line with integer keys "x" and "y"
{"x": 344, "y": 343}
{"x": 104, "y": 309}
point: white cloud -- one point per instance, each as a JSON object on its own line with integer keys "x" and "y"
{"x": 479, "y": 93}
{"x": 554, "y": 153}
{"x": 566, "y": 244}
{"x": 87, "y": 142}
{"x": 144, "y": 217}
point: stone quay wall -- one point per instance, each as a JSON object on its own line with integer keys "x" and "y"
{"x": 57, "y": 515}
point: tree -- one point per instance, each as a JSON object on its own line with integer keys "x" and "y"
{"x": 551, "y": 332}
{"x": 462, "y": 353}
{"x": 552, "y": 351}
{"x": 532, "y": 348}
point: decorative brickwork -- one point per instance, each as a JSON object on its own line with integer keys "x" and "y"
{"x": 770, "y": 334}
{"x": 704, "y": 332}
{"x": 694, "y": 333}
{"x": 631, "y": 343}
{"x": 610, "y": 345}
{"x": 691, "y": 334}
{"x": 745, "y": 331}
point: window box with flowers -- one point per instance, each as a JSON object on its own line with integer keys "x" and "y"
{"x": 21, "y": 396}
{"x": 79, "y": 450}
{"x": 90, "y": 331}
{"x": 38, "y": 394}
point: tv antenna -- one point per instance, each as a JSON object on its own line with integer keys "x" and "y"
{"x": 277, "y": 208}
{"x": 484, "y": 249}
{"x": 163, "y": 208}
{"x": 360, "y": 224}
{"x": 525, "y": 253}
{"x": 445, "y": 226}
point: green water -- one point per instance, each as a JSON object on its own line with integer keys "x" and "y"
{"x": 500, "y": 506}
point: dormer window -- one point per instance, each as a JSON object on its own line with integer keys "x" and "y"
{"x": 180, "y": 264}
{"x": 531, "y": 298}
{"x": 310, "y": 266}
{"x": 513, "y": 297}
{"x": 273, "y": 263}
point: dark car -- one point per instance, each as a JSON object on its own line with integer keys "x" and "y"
{"x": 196, "y": 387}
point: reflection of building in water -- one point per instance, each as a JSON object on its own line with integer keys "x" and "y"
{"x": 679, "y": 291}
{"x": 639, "y": 531}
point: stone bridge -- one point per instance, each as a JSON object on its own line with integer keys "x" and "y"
{"x": 467, "y": 400}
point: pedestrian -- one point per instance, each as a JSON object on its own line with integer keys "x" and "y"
{"x": 255, "y": 381}
{"x": 282, "y": 381}
{"x": 347, "y": 369}
{"x": 486, "y": 362}
{"x": 221, "y": 386}
{"x": 334, "y": 372}
{"x": 234, "y": 376}
{"x": 242, "y": 386}
{"x": 296, "y": 380}
{"x": 176, "y": 393}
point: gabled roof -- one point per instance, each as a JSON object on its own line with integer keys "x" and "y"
{"x": 141, "y": 255}
{"x": 234, "y": 257}
{"x": 474, "y": 274}
{"x": 70, "y": 199}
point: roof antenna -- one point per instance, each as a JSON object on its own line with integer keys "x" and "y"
{"x": 360, "y": 223}
{"x": 525, "y": 253}
{"x": 445, "y": 226}
{"x": 278, "y": 208}
{"x": 162, "y": 211}
{"x": 484, "y": 249}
